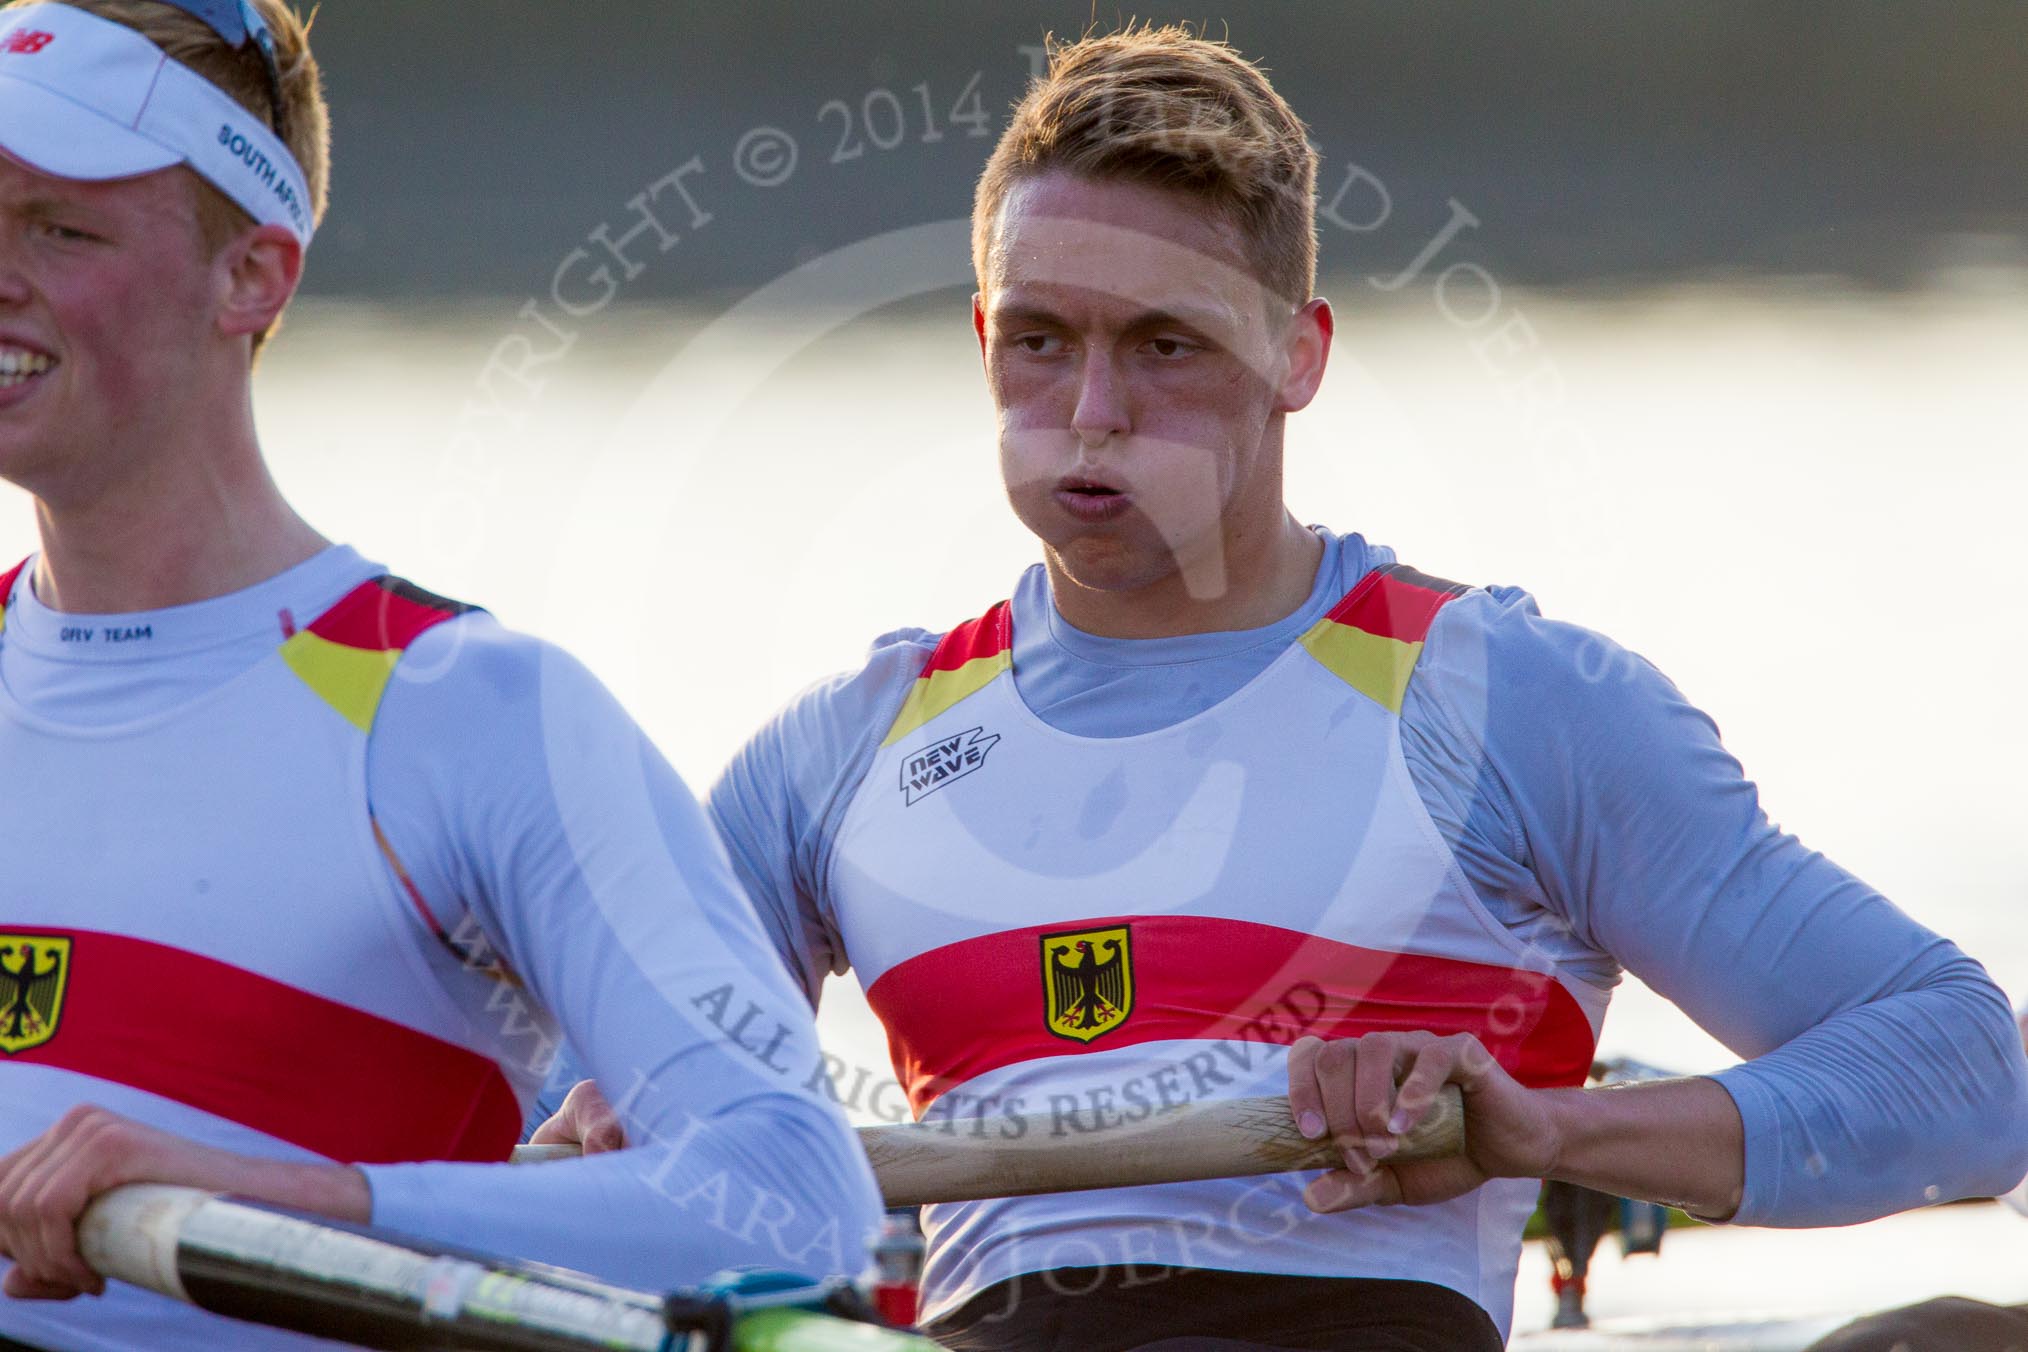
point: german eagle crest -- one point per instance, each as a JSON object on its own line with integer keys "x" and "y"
{"x": 33, "y": 971}
{"x": 1087, "y": 981}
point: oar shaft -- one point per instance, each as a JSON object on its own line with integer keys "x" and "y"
{"x": 278, "y": 1268}
{"x": 290, "y": 1271}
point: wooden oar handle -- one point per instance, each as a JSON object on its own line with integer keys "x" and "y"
{"x": 543, "y": 1154}
{"x": 966, "y": 1159}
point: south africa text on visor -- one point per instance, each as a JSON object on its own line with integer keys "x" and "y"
{"x": 85, "y": 98}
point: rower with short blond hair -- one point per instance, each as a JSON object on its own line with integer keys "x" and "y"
{"x": 1216, "y": 804}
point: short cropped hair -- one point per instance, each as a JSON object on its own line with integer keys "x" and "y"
{"x": 242, "y": 74}
{"x": 1167, "y": 107}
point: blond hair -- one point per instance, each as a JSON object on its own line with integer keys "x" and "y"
{"x": 1167, "y": 107}
{"x": 239, "y": 72}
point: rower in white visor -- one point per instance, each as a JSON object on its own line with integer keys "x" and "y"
{"x": 87, "y": 98}
{"x": 299, "y": 885}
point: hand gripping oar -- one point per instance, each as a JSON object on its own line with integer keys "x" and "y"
{"x": 968, "y": 1158}
{"x": 378, "y": 1289}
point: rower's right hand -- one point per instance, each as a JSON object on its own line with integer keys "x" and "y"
{"x": 585, "y": 1120}
{"x": 46, "y": 1184}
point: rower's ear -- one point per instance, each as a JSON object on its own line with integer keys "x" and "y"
{"x": 258, "y": 272}
{"x": 1306, "y": 350}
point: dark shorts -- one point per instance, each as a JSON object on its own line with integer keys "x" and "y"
{"x": 1200, "y": 1309}
{"x": 1947, "y": 1324}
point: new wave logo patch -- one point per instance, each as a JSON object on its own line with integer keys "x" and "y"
{"x": 944, "y": 761}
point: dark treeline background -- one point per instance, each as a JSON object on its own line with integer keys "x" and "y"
{"x": 477, "y": 143}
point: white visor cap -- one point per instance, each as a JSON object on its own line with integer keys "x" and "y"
{"x": 85, "y": 98}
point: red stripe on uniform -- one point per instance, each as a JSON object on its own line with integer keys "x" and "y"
{"x": 345, "y": 1083}
{"x": 957, "y": 1012}
{"x": 372, "y": 617}
{"x": 7, "y": 582}
{"x": 986, "y": 636}
{"x": 1391, "y": 607}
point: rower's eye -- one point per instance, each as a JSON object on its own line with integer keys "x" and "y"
{"x": 67, "y": 234}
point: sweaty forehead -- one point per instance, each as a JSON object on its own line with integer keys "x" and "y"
{"x": 1144, "y": 247}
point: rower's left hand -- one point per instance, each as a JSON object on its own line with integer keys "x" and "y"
{"x": 1366, "y": 1092}
{"x": 585, "y": 1120}
{"x": 46, "y": 1185}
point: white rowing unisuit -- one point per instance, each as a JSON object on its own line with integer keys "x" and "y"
{"x": 319, "y": 868}
{"x": 1282, "y": 831}
{"x": 1094, "y": 927}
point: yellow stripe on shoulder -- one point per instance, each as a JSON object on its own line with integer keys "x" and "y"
{"x": 1376, "y": 666}
{"x": 937, "y": 691}
{"x": 350, "y": 680}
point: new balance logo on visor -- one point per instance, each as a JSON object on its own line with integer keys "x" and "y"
{"x": 943, "y": 762}
{"x": 26, "y": 41}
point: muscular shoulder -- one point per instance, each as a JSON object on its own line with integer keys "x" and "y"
{"x": 1576, "y": 759}
{"x": 442, "y": 655}
{"x": 1494, "y": 665}
{"x": 473, "y": 672}
{"x": 844, "y": 715}
{"x": 805, "y": 761}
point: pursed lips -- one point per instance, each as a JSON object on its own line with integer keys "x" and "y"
{"x": 1091, "y": 500}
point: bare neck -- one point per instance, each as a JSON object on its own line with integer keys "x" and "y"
{"x": 1251, "y": 579}
{"x": 192, "y": 515}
